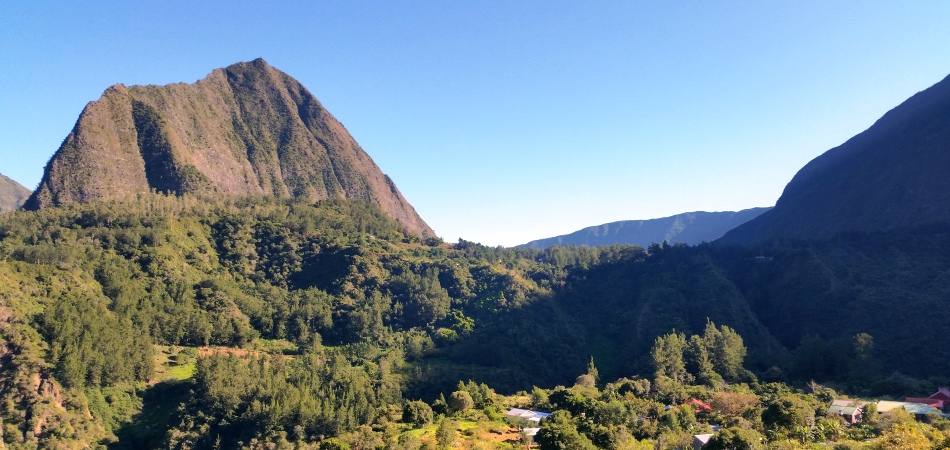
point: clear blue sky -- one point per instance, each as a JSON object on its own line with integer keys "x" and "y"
{"x": 503, "y": 121}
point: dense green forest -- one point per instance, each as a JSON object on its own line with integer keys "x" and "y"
{"x": 185, "y": 322}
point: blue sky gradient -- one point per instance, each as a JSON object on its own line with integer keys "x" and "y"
{"x": 504, "y": 122}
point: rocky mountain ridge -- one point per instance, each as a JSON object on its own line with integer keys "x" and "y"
{"x": 12, "y": 194}
{"x": 689, "y": 228}
{"x": 247, "y": 129}
{"x": 896, "y": 174}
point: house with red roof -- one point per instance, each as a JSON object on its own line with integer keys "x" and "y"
{"x": 698, "y": 405}
{"x": 942, "y": 394}
{"x": 939, "y": 400}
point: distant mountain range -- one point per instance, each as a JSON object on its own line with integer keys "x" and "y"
{"x": 896, "y": 174}
{"x": 689, "y": 228}
{"x": 247, "y": 129}
{"x": 12, "y": 194}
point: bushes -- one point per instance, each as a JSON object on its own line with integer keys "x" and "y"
{"x": 417, "y": 412}
{"x": 460, "y": 401}
{"x": 735, "y": 439}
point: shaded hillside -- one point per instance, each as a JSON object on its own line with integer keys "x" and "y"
{"x": 807, "y": 299}
{"x": 247, "y": 129}
{"x": 333, "y": 314}
{"x": 614, "y": 311}
{"x": 12, "y": 194}
{"x": 688, "y": 228}
{"x": 892, "y": 285}
{"x": 894, "y": 174}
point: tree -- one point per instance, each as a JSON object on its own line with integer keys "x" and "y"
{"x": 726, "y": 350}
{"x": 831, "y": 428}
{"x": 417, "y": 412}
{"x": 637, "y": 387}
{"x": 440, "y": 405}
{"x": 698, "y": 362}
{"x": 558, "y": 432}
{"x": 482, "y": 395}
{"x": 870, "y": 416}
{"x": 895, "y": 417}
{"x": 903, "y": 436}
{"x": 592, "y": 370}
{"x": 460, "y": 401}
{"x": 616, "y": 438}
{"x": 667, "y": 355}
{"x": 364, "y": 438}
{"x": 816, "y": 358}
{"x": 539, "y": 397}
{"x": 406, "y": 441}
{"x": 447, "y": 433}
{"x": 733, "y": 405}
{"x": 735, "y": 439}
{"x": 788, "y": 412}
{"x": 865, "y": 367}
{"x": 586, "y": 381}
{"x": 424, "y": 300}
{"x": 669, "y": 390}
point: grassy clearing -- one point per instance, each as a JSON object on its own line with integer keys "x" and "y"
{"x": 275, "y": 346}
{"x": 174, "y": 363}
{"x": 475, "y": 435}
{"x": 181, "y": 373}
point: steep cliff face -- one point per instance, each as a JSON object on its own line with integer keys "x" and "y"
{"x": 247, "y": 129}
{"x": 12, "y": 194}
{"x": 896, "y": 174}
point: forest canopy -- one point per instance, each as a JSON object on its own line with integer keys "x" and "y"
{"x": 253, "y": 317}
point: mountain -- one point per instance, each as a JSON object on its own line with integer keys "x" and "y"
{"x": 689, "y": 228}
{"x": 896, "y": 174}
{"x": 247, "y": 129}
{"x": 12, "y": 194}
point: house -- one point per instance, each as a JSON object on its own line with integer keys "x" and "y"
{"x": 851, "y": 414}
{"x": 942, "y": 394}
{"x": 848, "y": 402}
{"x": 917, "y": 409}
{"x": 925, "y": 401}
{"x": 525, "y": 418}
{"x": 699, "y": 440}
{"x": 939, "y": 400}
{"x": 698, "y": 405}
{"x": 530, "y": 433}
{"x": 884, "y": 406}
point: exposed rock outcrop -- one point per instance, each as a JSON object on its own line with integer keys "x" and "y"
{"x": 247, "y": 129}
{"x": 12, "y": 194}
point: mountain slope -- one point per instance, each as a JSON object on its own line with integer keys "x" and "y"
{"x": 247, "y": 129}
{"x": 689, "y": 228}
{"x": 895, "y": 174}
{"x": 12, "y": 194}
